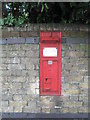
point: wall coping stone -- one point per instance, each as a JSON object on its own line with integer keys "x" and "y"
{"x": 35, "y": 40}
{"x": 44, "y": 115}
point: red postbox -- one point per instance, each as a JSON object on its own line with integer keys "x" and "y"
{"x": 50, "y": 63}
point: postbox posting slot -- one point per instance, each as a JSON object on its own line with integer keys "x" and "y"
{"x": 50, "y": 39}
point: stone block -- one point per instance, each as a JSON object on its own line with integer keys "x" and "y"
{"x": 83, "y": 85}
{"x": 70, "y": 92}
{"x": 3, "y": 67}
{"x": 46, "y": 103}
{"x": 37, "y": 91}
{"x": 4, "y": 73}
{"x": 61, "y": 99}
{"x": 74, "y": 97}
{"x": 65, "y": 110}
{"x": 83, "y": 91}
{"x": 4, "y": 47}
{"x": 29, "y": 73}
{"x": 68, "y": 66}
{"x": 19, "y": 40}
{"x": 17, "y": 97}
{"x": 36, "y": 27}
{"x": 37, "y": 79}
{"x": 28, "y": 97}
{"x": 13, "y": 61}
{"x": 74, "y": 47}
{"x": 49, "y": 27}
{"x": 86, "y": 79}
{"x": 13, "y": 47}
{"x": 13, "y": 72}
{"x": 26, "y": 47}
{"x": 74, "y": 54}
{"x": 74, "y": 61}
{"x": 6, "y": 34}
{"x": 3, "y": 60}
{"x": 65, "y": 47}
{"x": 32, "y": 54}
{"x": 3, "y": 54}
{"x": 10, "y": 29}
{"x": 31, "y": 87}
{"x": 23, "y": 28}
{"x": 16, "y": 66}
{"x": 42, "y": 27}
{"x": 17, "y": 80}
{"x": 55, "y": 27}
{"x": 83, "y": 110}
{"x": 30, "y": 27}
{"x": 7, "y": 109}
{"x": 27, "y": 60}
{"x": 18, "y": 109}
{"x": 72, "y": 104}
{"x": 85, "y": 103}
{"x": 7, "y": 97}
{"x": 45, "y": 110}
{"x": 65, "y": 86}
{"x": 14, "y": 34}
{"x": 16, "y": 54}
{"x": 73, "y": 110}
{"x": 83, "y": 47}
{"x": 30, "y": 109}
{"x": 5, "y": 103}
{"x": 15, "y": 87}
{"x": 65, "y": 34}
{"x": 65, "y": 73}
{"x": 18, "y": 103}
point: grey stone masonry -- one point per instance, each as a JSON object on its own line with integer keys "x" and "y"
{"x": 20, "y": 72}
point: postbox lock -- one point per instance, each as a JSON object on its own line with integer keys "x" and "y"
{"x": 46, "y": 79}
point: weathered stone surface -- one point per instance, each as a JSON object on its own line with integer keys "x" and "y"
{"x": 3, "y": 54}
{"x": 18, "y": 109}
{"x": 83, "y": 85}
{"x": 83, "y": 109}
{"x": 3, "y": 67}
{"x": 45, "y": 110}
{"x": 70, "y": 92}
{"x": 16, "y": 54}
{"x": 13, "y": 47}
{"x": 73, "y": 110}
{"x": 17, "y": 97}
{"x": 5, "y": 103}
{"x": 16, "y": 66}
{"x": 7, "y": 109}
{"x": 18, "y": 103}
{"x": 20, "y": 77}
{"x": 30, "y": 109}
{"x": 65, "y": 110}
{"x": 17, "y": 79}
{"x": 7, "y": 97}
{"x": 32, "y": 54}
{"x": 72, "y": 104}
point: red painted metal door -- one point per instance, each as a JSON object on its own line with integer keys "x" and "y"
{"x": 50, "y": 64}
{"x": 50, "y": 73}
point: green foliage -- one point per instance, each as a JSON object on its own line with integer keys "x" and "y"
{"x": 20, "y": 13}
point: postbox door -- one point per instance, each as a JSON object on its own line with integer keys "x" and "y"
{"x": 50, "y": 63}
{"x": 50, "y": 73}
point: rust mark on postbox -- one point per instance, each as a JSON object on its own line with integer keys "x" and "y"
{"x": 50, "y": 63}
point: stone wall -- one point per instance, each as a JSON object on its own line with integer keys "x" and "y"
{"x": 20, "y": 70}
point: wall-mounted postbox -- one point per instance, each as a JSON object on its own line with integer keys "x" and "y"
{"x": 50, "y": 63}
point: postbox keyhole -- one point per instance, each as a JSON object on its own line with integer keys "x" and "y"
{"x": 46, "y": 79}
